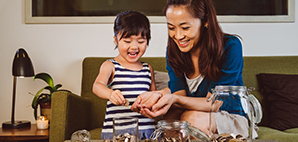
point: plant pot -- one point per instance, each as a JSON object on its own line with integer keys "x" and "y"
{"x": 45, "y": 110}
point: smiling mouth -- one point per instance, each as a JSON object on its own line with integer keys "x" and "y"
{"x": 183, "y": 43}
{"x": 133, "y": 54}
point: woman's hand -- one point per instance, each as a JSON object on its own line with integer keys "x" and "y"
{"x": 161, "y": 107}
{"x": 117, "y": 98}
{"x": 145, "y": 100}
{"x": 216, "y": 105}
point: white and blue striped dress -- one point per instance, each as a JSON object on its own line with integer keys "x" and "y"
{"x": 131, "y": 84}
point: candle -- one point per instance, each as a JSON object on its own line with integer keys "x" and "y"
{"x": 42, "y": 122}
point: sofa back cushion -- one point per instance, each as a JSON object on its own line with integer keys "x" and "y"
{"x": 280, "y": 93}
{"x": 266, "y": 64}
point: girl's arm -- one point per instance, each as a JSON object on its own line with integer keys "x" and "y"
{"x": 100, "y": 85}
{"x": 152, "y": 86}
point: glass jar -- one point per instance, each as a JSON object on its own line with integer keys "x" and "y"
{"x": 81, "y": 136}
{"x": 236, "y": 100}
{"x": 177, "y": 131}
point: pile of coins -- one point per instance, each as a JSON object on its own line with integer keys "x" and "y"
{"x": 126, "y": 138}
{"x": 171, "y": 140}
{"x": 107, "y": 140}
{"x": 225, "y": 137}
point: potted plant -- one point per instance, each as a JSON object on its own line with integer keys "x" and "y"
{"x": 44, "y": 99}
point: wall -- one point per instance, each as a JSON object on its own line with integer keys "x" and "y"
{"x": 59, "y": 49}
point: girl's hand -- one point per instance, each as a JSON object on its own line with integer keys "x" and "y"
{"x": 117, "y": 98}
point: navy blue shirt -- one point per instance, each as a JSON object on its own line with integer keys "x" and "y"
{"x": 231, "y": 67}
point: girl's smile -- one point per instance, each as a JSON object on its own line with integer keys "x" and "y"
{"x": 131, "y": 48}
{"x": 133, "y": 54}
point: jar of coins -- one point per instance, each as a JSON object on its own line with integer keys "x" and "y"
{"x": 125, "y": 129}
{"x": 177, "y": 131}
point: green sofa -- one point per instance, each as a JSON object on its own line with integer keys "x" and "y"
{"x": 71, "y": 112}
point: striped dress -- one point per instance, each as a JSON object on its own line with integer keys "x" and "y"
{"x": 131, "y": 84}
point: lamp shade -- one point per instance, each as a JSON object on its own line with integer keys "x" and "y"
{"x": 22, "y": 65}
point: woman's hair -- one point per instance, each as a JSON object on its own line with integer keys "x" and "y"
{"x": 129, "y": 23}
{"x": 211, "y": 41}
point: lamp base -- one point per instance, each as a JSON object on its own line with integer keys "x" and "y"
{"x": 16, "y": 124}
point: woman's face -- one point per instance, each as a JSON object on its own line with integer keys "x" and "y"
{"x": 183, "y": 28}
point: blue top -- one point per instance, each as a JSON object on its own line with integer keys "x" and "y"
{"x": 232, "y": 65}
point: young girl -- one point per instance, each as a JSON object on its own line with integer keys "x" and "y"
{"x": 122, "y": 79}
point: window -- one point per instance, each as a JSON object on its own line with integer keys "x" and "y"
{"x": 104, "y": 11}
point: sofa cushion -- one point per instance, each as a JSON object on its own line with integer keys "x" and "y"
{"x": 267, "y": 134}
{"x": 95, "y": 134}
{"x": 280, "y": 99}
{"x": 293, "y": 130}
{"x": 161, "y": 79}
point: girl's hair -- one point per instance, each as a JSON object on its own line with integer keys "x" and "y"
{"x": 129, "y": 23}
{"x": 211, "y": 41}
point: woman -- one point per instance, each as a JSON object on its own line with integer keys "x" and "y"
{"x": 199, "y": 57}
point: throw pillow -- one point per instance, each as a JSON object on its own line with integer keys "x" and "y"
{"x": 281, "y": 99}
{"x": 161, "y": 79}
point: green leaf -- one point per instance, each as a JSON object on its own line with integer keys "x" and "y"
{"x": 52, "y": 90}
{"x": 58, "y": 86}
{"x": 35, "y": 113}
{"x": 34, "y": 101}
{"x": 45, "y": 77}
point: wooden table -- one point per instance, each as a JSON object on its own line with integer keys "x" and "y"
{"x": 30, "y": 134}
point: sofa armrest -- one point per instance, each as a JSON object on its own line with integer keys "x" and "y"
{"x": 70, "y": 112}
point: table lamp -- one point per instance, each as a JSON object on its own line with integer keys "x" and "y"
{"x": 21, "y": 67}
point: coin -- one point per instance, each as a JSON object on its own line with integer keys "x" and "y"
{"x": 126, "y": 103}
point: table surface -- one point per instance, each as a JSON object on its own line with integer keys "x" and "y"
{"x": 29, "y": 133}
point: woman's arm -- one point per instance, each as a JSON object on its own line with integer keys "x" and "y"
{"x": 190, "y": 103}
{"x": 163, "y": 104}
{"x": 193, "y": 103}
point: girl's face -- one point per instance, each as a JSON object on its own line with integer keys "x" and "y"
{"x": 131, "y": 48}
{"x": 183, "y": 27}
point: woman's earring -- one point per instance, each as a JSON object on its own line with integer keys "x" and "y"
{"x": 206, "y": 25}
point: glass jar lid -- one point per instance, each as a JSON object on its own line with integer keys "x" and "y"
{"x": 172, "y": 124}
{"x": 199, "y": 135}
